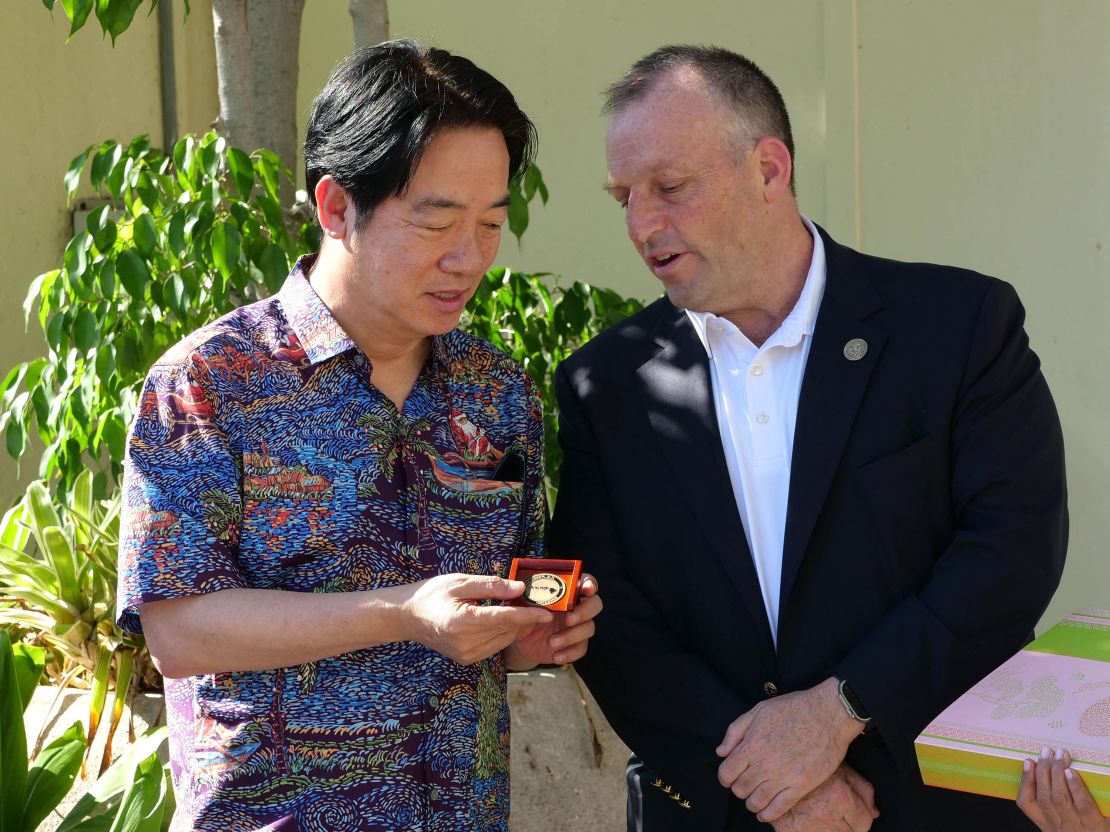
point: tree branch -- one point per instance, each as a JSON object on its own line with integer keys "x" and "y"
{"x": 236, "y": 77}
{"x": 370, "y": 21}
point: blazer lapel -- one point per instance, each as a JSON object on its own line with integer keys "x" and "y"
{"x": 832, "y": 389}
{"x": 678, "y": 396}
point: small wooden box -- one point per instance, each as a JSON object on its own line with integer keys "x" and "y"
{"x": 549, "y": 583}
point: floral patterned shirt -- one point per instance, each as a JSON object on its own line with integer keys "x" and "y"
{"x": 262, "y": 456}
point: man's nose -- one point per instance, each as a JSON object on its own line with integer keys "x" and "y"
{"x": 644, "y": 219}
{"x": 467, "y": 254}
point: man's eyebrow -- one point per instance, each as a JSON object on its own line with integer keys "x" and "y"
{"x": 442, "y": 203}
{"x": 610, "y": 188}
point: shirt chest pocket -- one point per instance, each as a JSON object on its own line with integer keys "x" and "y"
{"x": 476, "y": 523}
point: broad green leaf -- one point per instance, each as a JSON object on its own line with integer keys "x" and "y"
{"x": 116, "y": 15}
{"x": 19, "y": 566}
{"x": 145, "y": 187}
{"x": 518, "y": 214}
{"x": 13, "y": 742}
{"x": 52, "y": 775}
{"x": 61, "y": 556}
{"x": 107, "y": 280}
{"x": 106, "y": 363}
{"x": 29, "y": 662}
{"x": 78, "y": 12}
{"x": 119, "y": 176}
{"x": 86, "y": 334}
{"x": 146, "y": 234}
{"x": 242, "y": 171}
{"x": 112, "y": 783}
{"x": 176, "y": 233}
{"x": 133, "y": 273}
{"x": 225, "y": 248}
{"x": 183, "y": 153}
{"x": 275, "y": 267}
{"x": 73, "y": 173}
{"x": 42, "y": 511}
{"x": 32, "y": 296}
{"x": 268, "y": 168}
{"x": 16, "y": 438}
{"x": 105, "y": 159}
{"x": 13, "y": 531}
{"x": 174, "y": 295}
{"x": 77, "y": 256}
{"x": 271, "y": 210}
{"x": 102, "y": 228}
{"x": 210, "y": 159}
{"x": 142, "y": 804}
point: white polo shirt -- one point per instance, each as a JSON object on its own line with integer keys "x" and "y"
{"x": 756, "y": 392}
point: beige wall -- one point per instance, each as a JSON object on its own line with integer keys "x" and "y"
{"x": 986, "y": 142}
{"x": 982, "y": 140}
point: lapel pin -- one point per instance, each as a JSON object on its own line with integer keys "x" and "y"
{"x": 855, "y": 349}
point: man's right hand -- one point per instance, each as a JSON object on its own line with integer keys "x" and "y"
{"x": 444, "y": 613}
{"x": 843, "y": 803}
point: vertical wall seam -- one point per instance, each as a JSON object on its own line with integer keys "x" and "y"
{"x": 856, "y": 153}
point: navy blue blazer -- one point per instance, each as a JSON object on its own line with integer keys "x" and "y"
{"x": 926, "y": 531}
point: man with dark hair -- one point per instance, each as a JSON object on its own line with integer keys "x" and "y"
{"x": 825, "y": 492}
{"x": 319, "y": 501}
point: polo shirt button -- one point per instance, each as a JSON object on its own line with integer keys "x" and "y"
{"x": 757, "y": 370}
{"x": 433, "y": 702}
{"x": 414, "y": 519}
{"x": 771, "y": 689}
{"x": 433, "y": 793}
{"x": 762, "y": 418}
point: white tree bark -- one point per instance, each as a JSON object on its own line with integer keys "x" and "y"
{"x": 276, "y": 34}
{"x": 235, "y": 73}
{"x": 370, "y": 20}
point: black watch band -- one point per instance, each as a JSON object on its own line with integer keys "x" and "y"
{"x": 852, "y": 703}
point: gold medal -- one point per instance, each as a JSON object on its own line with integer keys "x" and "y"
{"x": 544, "y": 589}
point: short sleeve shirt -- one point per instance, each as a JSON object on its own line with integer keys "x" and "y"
{"x": 262, "y": 456}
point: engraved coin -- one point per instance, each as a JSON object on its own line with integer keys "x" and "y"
{"x": 544, "y": 589}
{"x": 855, "y": 349}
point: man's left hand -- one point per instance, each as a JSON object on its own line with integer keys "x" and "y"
{"x": 843, "y": 803}
{"x": 562, "y": 641}
{"x": 784, "y": 748}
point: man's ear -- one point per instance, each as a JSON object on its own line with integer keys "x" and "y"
{"x": 335, "y": 209}
{"x": 775, "y": 168}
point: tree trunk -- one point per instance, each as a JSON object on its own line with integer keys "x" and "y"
{"x": 234, "y": 71}
{"x": 276, "y": 33}
{"x": 370, "y": 20}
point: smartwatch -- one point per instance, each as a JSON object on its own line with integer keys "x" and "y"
{"x": 852, "y": 704}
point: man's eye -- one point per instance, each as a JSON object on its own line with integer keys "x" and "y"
{"x": 435, "y": 227}
{"x": 493, "y": 226}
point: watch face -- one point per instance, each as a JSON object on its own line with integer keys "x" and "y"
{"x": 544, "y": 589}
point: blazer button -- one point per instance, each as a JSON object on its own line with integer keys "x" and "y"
{"x": 771, "y": 689}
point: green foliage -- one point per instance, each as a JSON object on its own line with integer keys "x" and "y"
{"x": 114, "y": 16}
{"x": 132, "y": 794}
{"x": 58, "y": 583}
{"x": 184, "y": 240}
{"x": 539, "y": 323}
{"x": 180, "y": 242}
{"x": 522, "y": 191}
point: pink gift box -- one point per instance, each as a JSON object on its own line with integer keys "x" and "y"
{"x": 1055, "y": 693}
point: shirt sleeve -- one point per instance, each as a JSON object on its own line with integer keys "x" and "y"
{"x": 181, "y": 513}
